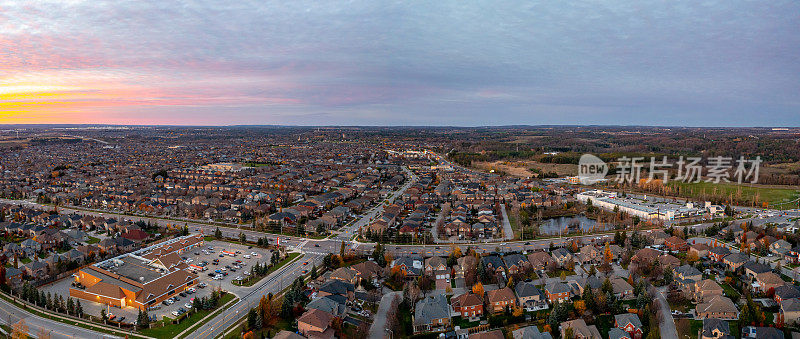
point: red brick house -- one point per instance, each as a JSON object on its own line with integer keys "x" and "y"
{"x": 676, "y": 244}
{"x": 469, "y": 305}
{"x": 500, "y": 299}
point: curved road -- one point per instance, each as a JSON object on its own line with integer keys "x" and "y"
{"x": 10, "y": 314}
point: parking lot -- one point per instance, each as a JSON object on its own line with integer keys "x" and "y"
{"x": 210, "y": 252}
{"x": 225, "y": 263}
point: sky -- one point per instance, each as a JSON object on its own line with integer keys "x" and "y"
{"x": 452, "y": 63}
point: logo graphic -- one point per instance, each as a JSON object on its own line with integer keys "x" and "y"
{"x": 591, "y": 169}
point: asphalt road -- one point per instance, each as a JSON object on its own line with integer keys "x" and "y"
{"x": 378, "y": 328}
{"x": 666, "y": 323}
{"x": 274, "y": 283}
{"x": 11, "y": 314}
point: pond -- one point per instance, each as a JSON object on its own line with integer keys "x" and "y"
{"x": 572, "y": 224}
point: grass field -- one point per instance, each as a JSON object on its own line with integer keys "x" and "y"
{"x": 773, "y": 196}
{"x": 170, "y": 330}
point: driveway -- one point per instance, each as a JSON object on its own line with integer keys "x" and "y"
{"x": 378, "y": 329}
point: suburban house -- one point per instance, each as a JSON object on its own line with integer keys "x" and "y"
{"x": 530, "y": 297}
{"x": 540, "y": 260}
{"x": 315, "y": 323}
{"x": 561, "y": 256}
{"x": 714, "y": 328}
{"x": 557, "y": 292}
{"x": 717, "y": 307}
{"x": 790, "y": 311}
{"x": 735, "y": 260}
{"x": 469, "y": 305}
{"x": 433, "y": 264}
{"x": 431, "y": 314}
{"x": 718, "y": 253}
{"x": 676, "y": 244}
{"x": 706, "y": 289}
{"x": 501, "y": 299}
{"x": 766, "y": 281}
{"x": 630, "y": 323}
{"x": 579, "y": 330}
{"x": 783, "y": 292}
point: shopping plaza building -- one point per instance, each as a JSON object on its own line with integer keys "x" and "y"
{"x": 139, "y": 279}
{"x": 644, "y": 208}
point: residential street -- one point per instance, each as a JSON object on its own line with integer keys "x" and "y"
{"x": 666, "y": 322}
{"x": 378, "y": 329}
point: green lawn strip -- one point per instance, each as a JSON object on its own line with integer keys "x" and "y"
{"x": 81, "y": 323}
{"x": 93, "y": 240}
{"x": 208, "y": 318}
{"x": 557, "y": 274}
{"x": 252, "y": 280}
{"x": 235, "y": 330}
{"x": 170, "y": 330}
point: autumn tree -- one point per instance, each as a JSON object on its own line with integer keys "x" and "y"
{"x": 478, "y": 289}
{"x": 19, "y": 330}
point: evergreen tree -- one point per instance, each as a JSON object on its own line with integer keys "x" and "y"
{"x": 259, "y": 320}
{"x": 70, "y": 306}
{"x": 218, "y": 234}
{"x": 314, "y": 273}
{"x": 588, "y": 299}
{"x": 286, "y": 308}
{"x": 251, "y": 319}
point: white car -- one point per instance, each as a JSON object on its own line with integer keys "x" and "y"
{"x": 192, "y": 289}
{"x": 246, "y": 273}
{"x": 187, "y": 305}
{"x": 170, "y": 301}
{"x": 238, "y": 277}
{"x": 175, "y": 313}
{"x": 247, "y": 256}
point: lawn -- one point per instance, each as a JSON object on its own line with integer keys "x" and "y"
{"x": 465, "y": 323}
{"x": 93, "y": 240}
{"x": 771, "y": 195}
{"x": 251, "y": 280}
{"x": 557, "y": 273}
{"x": 730, "y": 292}
{"x": 170, "y": 330}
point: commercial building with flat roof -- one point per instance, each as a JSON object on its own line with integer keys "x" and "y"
{"x": 637, "y": 207}
{"x": 139, "y": 279}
